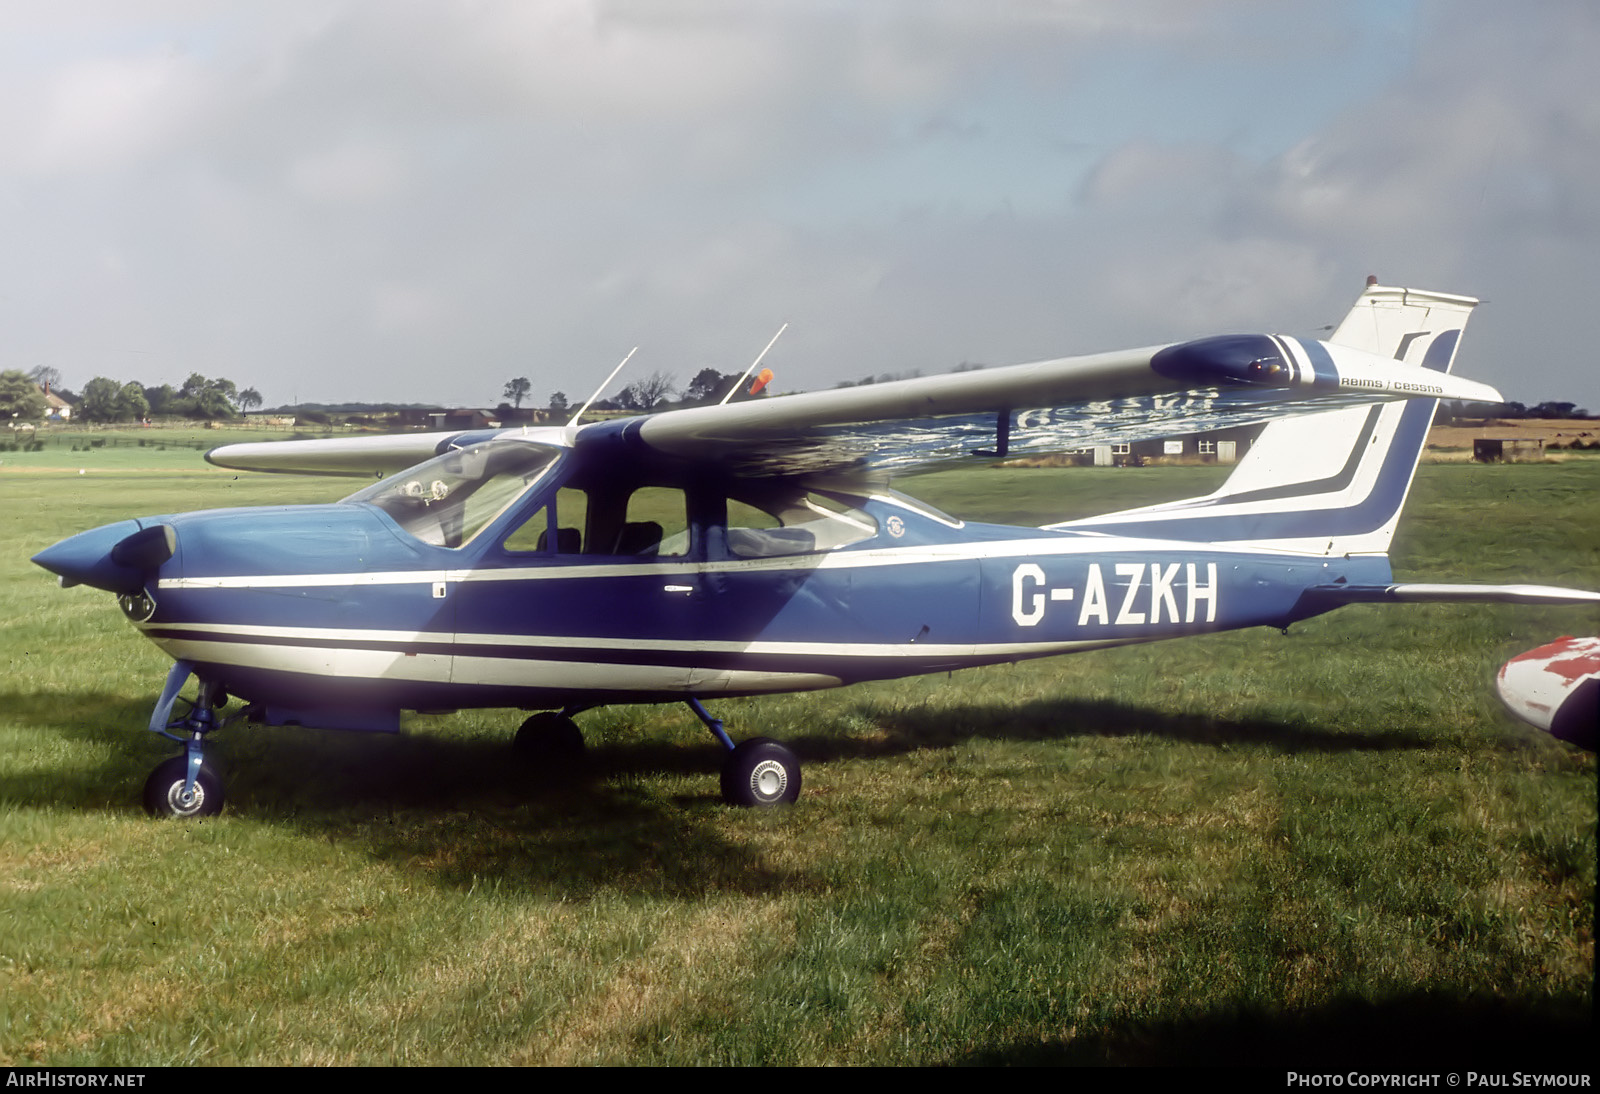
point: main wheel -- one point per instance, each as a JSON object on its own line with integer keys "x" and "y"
{"x": 549, "y": 738}
{"x": 761, "y": 772}
{"x": 163, "y": 791}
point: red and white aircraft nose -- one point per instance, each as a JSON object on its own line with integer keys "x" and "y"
{"x": 1557, "y": 688}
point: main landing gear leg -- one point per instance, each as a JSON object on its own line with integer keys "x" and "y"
{"x": 759, "y": 771}
{"x": 184, "y": 786}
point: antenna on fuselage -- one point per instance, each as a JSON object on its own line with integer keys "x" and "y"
{"x": 753, "y": 364}
{"x": 603, "y": 385}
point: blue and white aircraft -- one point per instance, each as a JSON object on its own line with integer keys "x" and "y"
{"x": 756, "y": 546}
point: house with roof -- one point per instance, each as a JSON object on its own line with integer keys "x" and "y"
{"x": 56, "y": 409}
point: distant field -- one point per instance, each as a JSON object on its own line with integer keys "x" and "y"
{"x": 126, "y": 449}
{"x": 1302, "y": 850}
{"x": 1455, "y": 441}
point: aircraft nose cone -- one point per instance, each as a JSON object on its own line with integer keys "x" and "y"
{"x": 116, "y": 557}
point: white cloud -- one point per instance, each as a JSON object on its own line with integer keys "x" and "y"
{"x": 99, "y": 114}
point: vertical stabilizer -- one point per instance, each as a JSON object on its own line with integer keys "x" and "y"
{"x": 1331, "y": 483}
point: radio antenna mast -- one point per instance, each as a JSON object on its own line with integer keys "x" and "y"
{"x": 753, "y": 364}
{"x": 603, "y": 385}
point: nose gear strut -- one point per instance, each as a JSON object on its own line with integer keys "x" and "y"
{"x": 184, "y": 786}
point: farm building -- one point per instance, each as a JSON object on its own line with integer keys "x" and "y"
{"x": 1507, "y": 449}
{"x": 1215, "y": 446}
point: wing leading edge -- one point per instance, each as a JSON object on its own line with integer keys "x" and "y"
{"x": 375, "y": 455}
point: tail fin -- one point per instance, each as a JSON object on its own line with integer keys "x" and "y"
{"x": 1331, "y": 483}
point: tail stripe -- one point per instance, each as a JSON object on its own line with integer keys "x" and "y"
{"x": 1333, "y": 483}
{"x": 1369, "y": 514}
{"x": 1442, "y": 351}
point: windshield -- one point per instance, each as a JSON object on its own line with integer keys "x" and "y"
{"x": 451, "y": 498}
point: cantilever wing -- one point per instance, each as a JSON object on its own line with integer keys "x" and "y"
{"x": 1054, "y": 405}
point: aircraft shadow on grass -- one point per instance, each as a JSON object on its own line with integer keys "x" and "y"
{"x": 464, "y": 812}
{"x": 456, "y": 811}
{"x": 485, "y": 773}
{"x": 421, "y": 771}
{"x": 1068, "y": 718}
{"x": 1436, "y": 1031}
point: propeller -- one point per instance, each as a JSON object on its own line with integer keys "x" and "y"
{"x": 119, "y": 558}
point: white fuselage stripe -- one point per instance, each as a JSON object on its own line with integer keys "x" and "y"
{"x": 238, "y": 636}
{"x": 1076, "y": 543}
{"x": 345, "y": 663}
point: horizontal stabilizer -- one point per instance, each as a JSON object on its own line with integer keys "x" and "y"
{"x": 1332, "y": 596}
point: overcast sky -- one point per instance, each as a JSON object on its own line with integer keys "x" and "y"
{"x": 417, "y": 201}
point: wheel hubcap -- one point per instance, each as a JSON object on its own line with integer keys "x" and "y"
{"x": 769, "y": 779}
{"x": 185, "y": 804}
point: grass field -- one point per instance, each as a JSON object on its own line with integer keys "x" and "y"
{"x": 1298, "y": 850}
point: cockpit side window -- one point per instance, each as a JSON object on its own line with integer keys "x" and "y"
{"x": 648, "y": 522}
{"x": 566, "y": 518}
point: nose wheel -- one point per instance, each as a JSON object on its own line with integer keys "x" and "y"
{"x": 169, "y": 791}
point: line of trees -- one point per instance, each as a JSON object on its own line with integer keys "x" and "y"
{"x": 107, "y": 400}
{"x": 653, "y": 392}
{"x": 1547, "y": 410}
{"x": 199, "y": 397}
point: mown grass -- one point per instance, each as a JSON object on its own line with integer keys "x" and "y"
{"x": 1247, "y": 848}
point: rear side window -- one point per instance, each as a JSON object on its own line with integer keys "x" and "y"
{"x": 794, "y": 524}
